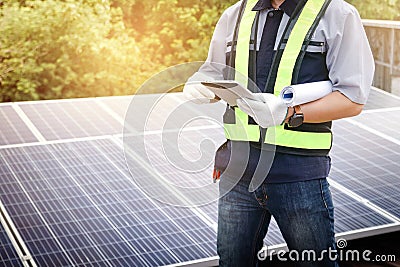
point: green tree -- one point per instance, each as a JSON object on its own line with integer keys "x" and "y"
{"x": 378, "y": 9}
{"x": 52, "y": 49}
{"x": 173, "y": 31}
{"x": 78, "y": 48}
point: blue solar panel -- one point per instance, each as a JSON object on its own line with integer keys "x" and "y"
{"x": 77, "y": 204}
{"x": 351, "y": 215}
{"x": 13, "y": 130}
{"x": 8, "y": 255}
{"x": 367, "y": 164}
{"x": 380, "y": 99}
{"x": 381, "y": 123}
{"x": 71, "y": 119}
{"x": 94, "y": 211}
{"x": 118, "y": 105}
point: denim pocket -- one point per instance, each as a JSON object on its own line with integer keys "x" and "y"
{"x": 326, "y": 197}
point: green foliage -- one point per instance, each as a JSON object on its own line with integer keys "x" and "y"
{"x": 378, "y": 9}
{"x": 77, "y": 48}
{"x": 173, "y": 31}
{"x": 52, "y": 49}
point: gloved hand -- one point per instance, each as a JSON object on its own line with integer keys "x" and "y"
{"x": 198, "y": 93}
{"x": 267, "y": 112}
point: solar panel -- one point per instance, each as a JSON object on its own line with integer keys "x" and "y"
{"x": 380, "y": 122}
{"x": 351, "y": 215}
{"x": 380, "y": 99}
{"x": 85, "y": 200}
{"x": 118, "y": 104}
{"x": 368, "y": 164}
{"x": 169, "y": 112}
{"x": 76, "y": 203}
{"x": 93, "y": 213}
{"x": 71, "y": 119}
{"x": 13, "y": 129}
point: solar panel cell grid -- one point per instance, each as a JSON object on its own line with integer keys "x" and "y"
{"x": 76, "y": 204}
{"x": 71, "y": 119}
{"x": 87, "y": 213}
{"x": 274, "y": 236}
{"x": 370, "y": 169}
{"x": 378, "y": 99}
{"x": 13, "y": 130}
{"x": 170, "y": 111}
{"x": 383, "y": 122}
{"x": 119, "y": 105}
{"x": 8, "y": 255}
{"x": 183, "y": 158}
{"x": 72, "y": 230}
{"x": 352, "y": 215}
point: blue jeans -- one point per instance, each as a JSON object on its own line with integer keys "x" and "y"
{"x": 303, "y": 211}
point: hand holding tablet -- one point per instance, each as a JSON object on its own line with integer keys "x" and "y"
{"x": 230, "y": 91}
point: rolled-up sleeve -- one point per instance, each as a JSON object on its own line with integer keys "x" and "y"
{"x": 349, "y": 57}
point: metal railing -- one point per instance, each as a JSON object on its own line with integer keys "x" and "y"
{"x": 384, "y": 38}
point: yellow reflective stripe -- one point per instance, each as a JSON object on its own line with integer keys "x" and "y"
{"x": 293, "y": 46}
{"x": 306, "y": 140}
{"x": 243, "y": 43}
{"x": 241, "y": 130}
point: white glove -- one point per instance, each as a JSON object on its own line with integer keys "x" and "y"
{"x": 198, "y": 93}
{"x": 269, "y": 111}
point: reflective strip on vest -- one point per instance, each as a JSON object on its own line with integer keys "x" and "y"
{"x": 243, "y": 43}
{"x": 242, "y": 130}
{"x": 305, "y": 140}
{"x": 293, "y": 45}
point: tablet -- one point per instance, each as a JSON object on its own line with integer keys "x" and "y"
{"x": 229, "y": 90}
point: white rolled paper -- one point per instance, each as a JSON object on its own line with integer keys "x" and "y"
{"x": 303, "y": 93}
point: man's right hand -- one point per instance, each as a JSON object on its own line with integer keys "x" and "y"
{"x": 198, "y": 93}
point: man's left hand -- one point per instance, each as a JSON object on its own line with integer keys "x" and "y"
{"x": 268, "y": 111}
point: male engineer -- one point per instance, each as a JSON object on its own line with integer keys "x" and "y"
{"x": 276, "y": 43}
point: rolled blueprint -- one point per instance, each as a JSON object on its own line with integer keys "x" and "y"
{"x": 303, "y": 93}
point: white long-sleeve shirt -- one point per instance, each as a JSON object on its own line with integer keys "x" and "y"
{"x": 349, "y": 58}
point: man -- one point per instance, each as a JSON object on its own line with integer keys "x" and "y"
{"x": 294, "y": 188}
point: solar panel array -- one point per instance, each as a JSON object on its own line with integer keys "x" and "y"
{"x": 71, "y": 197}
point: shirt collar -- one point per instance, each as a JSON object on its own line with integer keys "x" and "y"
{"x": 288, "y": 6}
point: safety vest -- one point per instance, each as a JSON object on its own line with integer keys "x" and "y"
{"x": 308, "y": 139}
